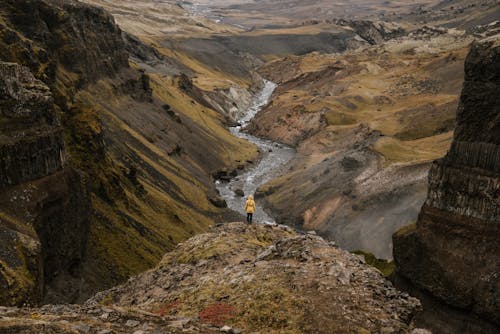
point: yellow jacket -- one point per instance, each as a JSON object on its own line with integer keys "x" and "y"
{"x": 250, "y": 205}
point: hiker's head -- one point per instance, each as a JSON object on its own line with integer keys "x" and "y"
{"x": 250, "y": 196}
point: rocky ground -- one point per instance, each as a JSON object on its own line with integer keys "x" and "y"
{"x": 76, "y": 319}
{"x": 252, "y": 278}
{"x": 268, "y": 278}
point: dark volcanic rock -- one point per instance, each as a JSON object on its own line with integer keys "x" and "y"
{"x": 44, "y": 204}
{"x": 31, "y": 143}
{"x": 454, "y": 250}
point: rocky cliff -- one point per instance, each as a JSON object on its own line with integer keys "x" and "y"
{"x": 453, "y": 251}
{"x": 32, "y": 143}
{"x": 44, "y": 202}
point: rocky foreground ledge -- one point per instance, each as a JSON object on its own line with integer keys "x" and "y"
{"x": 237, "y": 278}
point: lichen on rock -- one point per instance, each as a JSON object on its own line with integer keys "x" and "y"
{"x": 267, "y": 278}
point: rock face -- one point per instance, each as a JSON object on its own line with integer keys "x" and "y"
{"x": 267, "y": 278}
{"x": 26, "y": 104}
{"x": 45, "y": 204}
{"x": 373, "y": 32}
{"x": 453, "y": 252}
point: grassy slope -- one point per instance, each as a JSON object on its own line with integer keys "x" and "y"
{"x": 368, "y": 88}
{"x": 137, "y": 220}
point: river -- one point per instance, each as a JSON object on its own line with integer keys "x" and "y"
{"x": 273, "y": 158}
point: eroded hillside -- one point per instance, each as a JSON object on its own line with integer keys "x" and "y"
{"x": 366, "y": 125}
{"x": 226, "y": 77}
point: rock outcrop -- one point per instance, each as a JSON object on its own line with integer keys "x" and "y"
{"x": 30, "y": 138}
{"x": 453, "y": 252}
{"x": 374, "y": 32}
{"x": 44, "y": 216}
{"x": 269, "y": 279}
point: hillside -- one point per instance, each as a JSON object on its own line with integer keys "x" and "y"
{"x": 275, "y": 13}
{"x": 357, "y": 120}
{"x": 137, "y": 141}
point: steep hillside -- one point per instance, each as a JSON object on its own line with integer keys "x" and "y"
{"x": 366, "y": 125}
{"x": 226, "y": 78}
{"x": 453, "y": 251}
{"x": 139, "y": 139}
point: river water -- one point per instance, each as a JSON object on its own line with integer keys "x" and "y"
{"x": 273, "y": 158}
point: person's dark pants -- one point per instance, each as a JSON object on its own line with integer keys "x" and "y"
{"x": 249, "y": 217}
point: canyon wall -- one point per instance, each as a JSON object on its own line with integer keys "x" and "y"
{"x": 44, "y": 216}
{"x": 453, "y": 251}
{"x": 104, "y": 163}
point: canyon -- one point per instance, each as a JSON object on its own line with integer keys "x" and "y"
{"x": 138, "y": 147}
{"x": 132, "y": 131}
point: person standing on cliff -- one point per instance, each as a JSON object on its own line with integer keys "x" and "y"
{"x": 250, "y": 208}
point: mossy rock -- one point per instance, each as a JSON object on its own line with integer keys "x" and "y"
{"x": 406, "y": 229}
{"x": 386, "y": 267}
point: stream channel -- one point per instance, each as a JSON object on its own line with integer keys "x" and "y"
{"x": 273, "y": 158}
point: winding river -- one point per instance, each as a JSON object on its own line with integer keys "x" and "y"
{"x": 273, "y": 158}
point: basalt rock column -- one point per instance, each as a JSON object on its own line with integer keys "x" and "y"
{"x": 44, "y": 204}
{"x": 453, "y": 252}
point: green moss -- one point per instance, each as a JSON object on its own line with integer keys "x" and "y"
{"x": 20, "y": 285}
{"x": 384, "y": 266}
{"x": 107, "y": 300}
{"x": 406, "y": 229}
{"x": 197, "y": 254}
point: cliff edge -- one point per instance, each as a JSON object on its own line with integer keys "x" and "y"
{"x": 250, "y": 278}
{"x": 453, "y": 251}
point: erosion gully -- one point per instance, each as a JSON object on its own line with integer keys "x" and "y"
{"x": 273, "y": 158}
